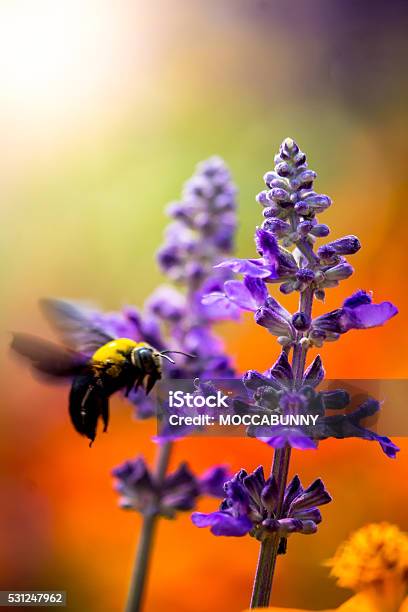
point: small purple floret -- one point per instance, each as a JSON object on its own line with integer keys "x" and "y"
{"x": 140, "y": 490}
{"x": 250, "y": 506}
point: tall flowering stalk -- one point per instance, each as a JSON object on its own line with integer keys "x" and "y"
{"x": 155, "y": 494}
{"x": 200, "y": 235}
{"x": 270, "y": 509}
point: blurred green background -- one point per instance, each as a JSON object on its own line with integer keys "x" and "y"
{"x": 105, "y": 109}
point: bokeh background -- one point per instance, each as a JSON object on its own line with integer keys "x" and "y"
{"x": 105, "y": 109}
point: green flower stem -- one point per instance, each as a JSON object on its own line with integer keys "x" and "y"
{"x": 269, "y": 547}
{"x": 145, "y": 546}
{"x": 268, "y": 553}
{"x": 300, "y": 350}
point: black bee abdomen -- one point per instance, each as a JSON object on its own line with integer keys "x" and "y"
{"x": 88, "y": 403}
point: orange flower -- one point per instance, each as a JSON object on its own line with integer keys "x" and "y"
{"x": 373, "y": 555}
{"x": 374, "y": 563}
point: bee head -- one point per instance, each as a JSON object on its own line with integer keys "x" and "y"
{"x": 148, "y": 363}
{"x": 145, "y": 359}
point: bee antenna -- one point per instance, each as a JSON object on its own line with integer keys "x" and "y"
{"x": 167, "y": 357}
{"x": 164, "y": 353}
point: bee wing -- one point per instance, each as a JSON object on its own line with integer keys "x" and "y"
{"x": 49, "y": 358}
{"x": 75, "y": 326}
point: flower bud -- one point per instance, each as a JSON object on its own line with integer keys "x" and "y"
{"x": 195, "y": 271}
{"x": 278, "y": 227}
{"x": 299, "y": 159}
{"x": 335, "y": 400}
{"x": 279, "y": 183}
{"x": 168, "y": 257}
{"x": 283, "y": 169}
{"x": 339, "y": 272}
{"x": 262, "y": 198}
{"x": 288, "y": 287}
{"x": 271, "y": 176}
{"x": 253, "y": 380}
{"x": 317, "y": 337}
{"x": 288, "y": 148}
{"x": 224, "y": 202}
{"x": 304, "y": 179}
{"x": 305, "y": 275}
{"x": 268, "y": 317}
{"x": 320, "y": 230}
{"x": 271, "y": 211}
{"x": 278, "y": 195}
{"x": 305, "y": 227}
{"x": 302, "y": 207}
{"x": 318, "y": 202}
{"x": 301, "y": 321}
{"x": 343, "y": 246}
{"x": 285, "y": 341}
{"x": 305, "y": 343}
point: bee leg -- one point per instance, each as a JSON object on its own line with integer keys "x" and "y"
{"x": 105, "y": 412}
{"x": 139, "y": 381}
{"x": 151, "y": 380}
{"x": 83, "y": 411}
{"x": 282, "y": 546}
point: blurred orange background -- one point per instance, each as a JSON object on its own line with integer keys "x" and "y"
{"x": 106, "y": 107}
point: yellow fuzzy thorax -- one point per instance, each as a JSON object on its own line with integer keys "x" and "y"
{"x": 370, "y": 556}
{"x": 116, "y": 351}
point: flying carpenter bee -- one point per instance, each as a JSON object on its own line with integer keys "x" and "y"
{"x": 97, "y": 364}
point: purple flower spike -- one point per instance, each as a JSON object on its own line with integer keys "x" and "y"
{"x": 250, "y": 506}
{"x": 290, "y": 209}
{"x": 204, "y": 224}
{"x": 285, "y": 243}
{"x": 199, "y": 237}
{"x": 285, "y": 408}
